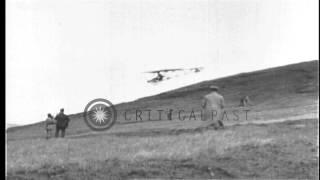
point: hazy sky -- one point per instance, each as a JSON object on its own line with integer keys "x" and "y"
{"x": 64, "y": 53}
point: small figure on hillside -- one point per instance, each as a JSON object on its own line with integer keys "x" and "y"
{"x": 62, "y": 123}
{"x": 245, "y": 101}
{"x": 50, "y": 122}
{"x": 213, "y": 105}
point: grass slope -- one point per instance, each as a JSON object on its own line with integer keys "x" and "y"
{"x": 276, "y": 93}
{"x": 273, "y": 151}
{"x": 179, "y": 149}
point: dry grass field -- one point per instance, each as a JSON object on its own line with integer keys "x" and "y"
{"x": 279, "y": 150}
{"x": 277, "y": 140}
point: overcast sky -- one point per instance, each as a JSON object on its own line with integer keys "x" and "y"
{"x": 64, "y": 53}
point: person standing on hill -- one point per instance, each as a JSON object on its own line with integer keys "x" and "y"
{"x": 245, "y": 101}
{"x": 213, "y": 104}
{"x": 50, "y": 121}
{"x": 62, "y": 123}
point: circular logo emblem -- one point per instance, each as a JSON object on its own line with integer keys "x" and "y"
{"x": 100, "y": 114}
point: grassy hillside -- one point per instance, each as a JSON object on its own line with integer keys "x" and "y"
{"x": 286, "y": 150}
{"x": 267, "y": 145}
{"x": 276, "y": 93}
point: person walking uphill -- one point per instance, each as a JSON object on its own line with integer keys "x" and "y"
{"x": 62, "y": 123}
{"x": 213, "y": 105}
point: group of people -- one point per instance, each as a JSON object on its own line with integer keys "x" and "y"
{"x": 212, "y": 101}
{"x": 60, "y": 122}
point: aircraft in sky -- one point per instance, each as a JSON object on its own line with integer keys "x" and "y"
{"x": 164, "y": 74}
